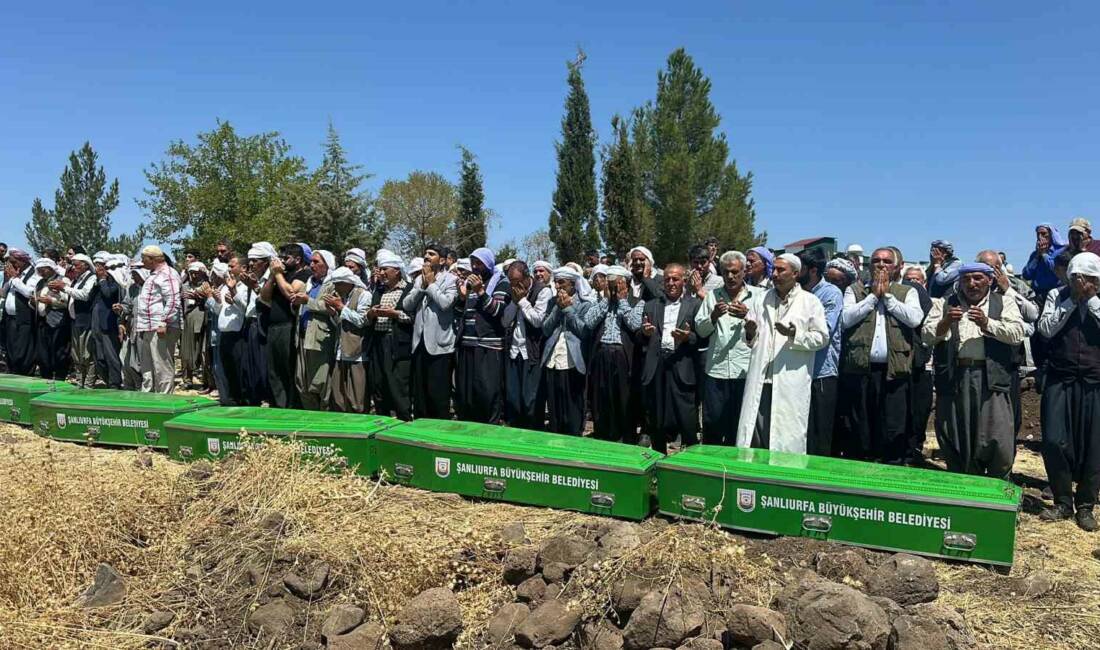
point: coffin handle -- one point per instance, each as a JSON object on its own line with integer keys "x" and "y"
{"x": 965, "y": 542}
{"x": 494, "y": 485}
{"x": 693, "y": 503}
{"x": 602, "y": 500}
{"x": 817, "y": 523}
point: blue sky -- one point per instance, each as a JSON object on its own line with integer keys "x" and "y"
{"x": 875, "y": 122}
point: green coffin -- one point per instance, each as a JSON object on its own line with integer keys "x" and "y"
{"x": 346, "y": 439}
{"x": 111, "y": 417}
{"x": 17, "y": 391}
{"x": 520, "y": 466}
{"x": 878, "y": 506}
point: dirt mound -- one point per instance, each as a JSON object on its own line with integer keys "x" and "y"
{"x": 264, "y": 551}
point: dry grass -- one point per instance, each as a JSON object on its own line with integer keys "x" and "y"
{"x": 207, "y": 550}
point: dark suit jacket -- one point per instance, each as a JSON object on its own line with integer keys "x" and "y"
{"x": 683, "y": 358}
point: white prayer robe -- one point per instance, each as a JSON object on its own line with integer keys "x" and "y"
{"x": 792, "y": 367}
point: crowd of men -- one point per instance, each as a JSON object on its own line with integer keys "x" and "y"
{"x": 793, "y": 353}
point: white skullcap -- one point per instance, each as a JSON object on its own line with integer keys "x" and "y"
{"x": 46, "y": 263}
{"x": 81, "y": 257}
{"x": 617, "y": 271}
{"x": 576, "y": 267}
{"x": 345, "y": 275}
{"x": 197, "y": 267}
{"x": 600, "y": 269}
{"x": 219, "y": 269}
{"x": 464, "y": 264}
{"x": 262, "y": 250}
{"x": 384, "y": 253}
{"x": 357, "y": 255}
{"x": 416, "y": 265}
{"x": 100, "y": 257}
{"x": 1085, "y": 264}
{"x": 793, "y": 260}
{"x": 543, "y": 264}
{"x": 388, "y": 259}
{"x": 152, "y": 250}
{"x": 643, "y": 250}
{"x": 117, "y": 260}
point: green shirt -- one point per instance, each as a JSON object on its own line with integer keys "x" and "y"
{"x": 727, "y": 355}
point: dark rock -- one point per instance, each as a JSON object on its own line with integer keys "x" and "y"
{"x": 502, "y": 626}
{"x": 748, "y": 625}
{"x": 341, "y": 619}
{"x": 569, "y": 550}
{"x": 825, "y": 615}
{"x": 701, "y": 643}
{"x": 917, "y": 633}
{"x": 627, "y": 593}
{"x": 157, "y": 621}
{"x": 200, "y": 470}
{"x": 368, "y": 636}
{"x": 550, "y": 623}
{"x": 600, "y": 635}
{"x": 256, "y": 575}
{"x": 849, "y": 563}
{"x": 514, "y": 534}
{"x": 906, "y": 580}
{"x": 553, "y": 591}
{"x": 520, "y": 564}
{"x": 620, "y": 539}
{"x": 892, "y": 609}
{"x": 531, "y": 590}
{"x": 1033, "y": 585}
{"x": 271, "y": 620}
{"x": 769, "y": 645}
{"x": 663, "y": 619}
{"x": 432, "y": 619}
{"x": 555, "y": 572}
{"x": 311, "y": 585}
{"x": 958, "y": 633}
{"x": 108, "y": 588}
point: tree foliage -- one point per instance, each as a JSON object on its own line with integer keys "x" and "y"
{"x": 226, "y": 185}
{"x": 82, "y": 209}
{"x": 418, "y": 211}
{"x": 507, "y": 251}
{"x": 538, "y": 246}
{"x": 332, "y": 213}
{"x": 626, "y": 222}
{"x": 471, "y": 226}
{"x": 688, "y": 185}
{"x": 573, "y": 223}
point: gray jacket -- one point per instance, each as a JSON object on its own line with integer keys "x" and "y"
{"x": 570, "y": 323}
{"x": 434, "y": 314}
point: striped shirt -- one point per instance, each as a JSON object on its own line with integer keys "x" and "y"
{"x": 490, "y": 307}
{"x": 158, "y": 304}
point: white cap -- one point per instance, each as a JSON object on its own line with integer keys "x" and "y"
{"x": 855, "y": 248}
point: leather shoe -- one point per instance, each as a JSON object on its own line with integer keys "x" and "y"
{"x": 1086, "y": 521}
{"x": 1057, "y": 512}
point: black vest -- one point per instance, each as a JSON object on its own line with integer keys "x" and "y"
{"x": 533, "y": 335}
{"x": 1074, "y": 352}
{"x": 999, "y": 357}
{"x": 82, "y": 309}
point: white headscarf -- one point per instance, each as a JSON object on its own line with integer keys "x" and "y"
{"x": 543, "y": 264}
{"x": 584, "y": 290}
{"x": 81, "y": 257}
{"x": 1082, "y": 264}
{"x": 617, "y": 271}
{"x": 356, "y": 255}
{"x": 197, "y": 267}
{"x": 600, "y": 269}
{"x": 416, "y": 265}
{"x": 463, "y": 263}
{"x": 219, "y": 269}
{"x": 390, "y": 260}
{"x": 262, "y": 250}
{"x": 47, "y": 263}
{"x": 118, "y": 268}
{"x": 330, "y": 262}
{"x": 100, "y": 257}
{"x": 644, "y": 251}
{"x": 346, "y": 275}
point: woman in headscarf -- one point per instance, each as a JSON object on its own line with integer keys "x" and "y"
{"x": 53, "y": 326}
{"x": 758, "y": 273}
{"x": 943, "y": 271}
{"x": 391, "y": 339}
{"x": 316, "y": 333}
{"x": 563, "y": 360}
{"x": 193, "y": 339}
{"x": 19, "y": 312}
{"x": 348, "y": 303}
{"x": 480, "y": 374}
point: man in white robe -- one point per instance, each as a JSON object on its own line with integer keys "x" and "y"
{"x": 785, "y": 331}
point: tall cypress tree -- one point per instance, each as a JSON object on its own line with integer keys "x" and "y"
{"x": 334, "y": 214}
{"x": 623, "y": 224}
{"x": 470, "y": 226}
{"x": 691, "y": 189}
{"x": 574, "y": 223}
{"x": 82, "y": 210}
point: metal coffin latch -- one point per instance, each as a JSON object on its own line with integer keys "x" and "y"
{"x": 494, "y": 485}
{"x": 816, "y": 526}
{"x": 959, "y": 543}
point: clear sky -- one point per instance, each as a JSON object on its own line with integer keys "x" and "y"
{"x": 875, "y": 122}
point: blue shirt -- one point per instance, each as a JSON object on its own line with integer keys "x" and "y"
{"x": 612, "y": 332}
{"x": 827, "y": 359}
{"x": 1040, "y": 271}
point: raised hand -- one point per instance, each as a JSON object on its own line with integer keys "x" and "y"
{"x": 648, "y": 328}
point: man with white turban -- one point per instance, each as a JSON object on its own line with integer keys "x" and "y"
{"x": 975, "y": 332}
{"x": 132, "y": 376}
{"x": 480, "y": 370}
{"x": 106, "y": 344}
{"x": 157, "y": 321}
{"x": 613, "y": 323}
{"x": 524, "y": 389}
{"x": 643, "y": 288}
{"x": 785, "y": 331}
{"x": 193, "y": 357}
{"x": 431, "y": 301}
{"x": 563, "y": 352}
{"x": 880, "y": 325}
{"x": 81, "y": 296}
{"x": 349, "y": 303}
{"x": 390, "y": 339}
{"x": 840, "y": 273}
{"x": 252, "y": 364}
{"x": 53, "y": 327}
{"x": 316, "y": 333}
{"x": 19, "y": 312}
{"x": 227, "y": 305}
{"x": 1070, "y": 410}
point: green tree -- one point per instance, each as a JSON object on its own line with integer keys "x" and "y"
{"x": 538, "y": 246}
{"x": 243, "y": 188}
{"x": 625, "y": 222}
{"x": 507, "y": 251}
{"x": 418, "y": 211}
{"x": 471, "y": 225}
{"x": 688, "y": 185}
{"x": 82, "y": 211}
{"x": 574, "y": 224}
{"x": 334, "y": 214}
